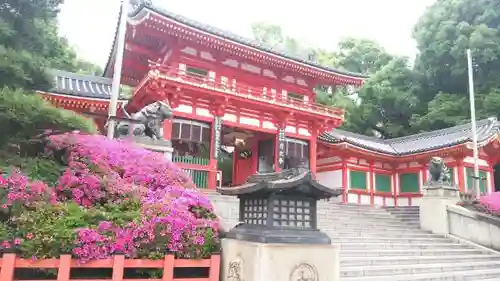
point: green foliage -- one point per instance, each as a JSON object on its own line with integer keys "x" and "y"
{"x": 35, "y": 168}
{"x": 30, "y": 43}
{"x": 443, "y": 34}
{"x": 50, "y": 230}
{"x": 24, "y": 116}
{"x": 361, "y": 55}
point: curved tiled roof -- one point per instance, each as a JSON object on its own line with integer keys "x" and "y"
{"x": 486, "y": 128}
{"x": 232, "y": 37}
{"x": 80, "y": 85}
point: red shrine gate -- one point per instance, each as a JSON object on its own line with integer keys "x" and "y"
{"x": 227, "y": 91}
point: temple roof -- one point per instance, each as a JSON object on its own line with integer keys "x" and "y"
{"x": 79, "y": 85}
{"x": 422, "y": 142}
{"x": 232, "y": 37}
{"x": 293, "y": 180}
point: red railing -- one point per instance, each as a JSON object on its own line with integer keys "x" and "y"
{"x": 243, "y": 91}
{"x": 9, "y": 263}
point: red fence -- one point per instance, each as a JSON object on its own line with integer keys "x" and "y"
{"x": 9, "y": 262}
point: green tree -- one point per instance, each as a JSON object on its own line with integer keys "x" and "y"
{"x": 30, "y": 43}
{"x": 443, "y": 33}
{"x": 25, "y": 117}
{"x": 389, "y": 98}
{"x": 361, "y": 55}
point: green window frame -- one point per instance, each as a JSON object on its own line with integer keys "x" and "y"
{"x": 358, "y": 180}
{"x": 409, "y": 183}
{"x": 383, "y": 183}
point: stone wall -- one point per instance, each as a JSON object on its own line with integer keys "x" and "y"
{"x": 474, "y": 227}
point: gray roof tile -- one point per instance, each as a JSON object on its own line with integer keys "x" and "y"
{"x": 81, "y": 85}
{"x": 486, "y": 128}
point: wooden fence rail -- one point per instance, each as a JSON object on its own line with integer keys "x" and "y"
{"x": 9, "y": 262}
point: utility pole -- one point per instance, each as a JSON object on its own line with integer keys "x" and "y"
{"x": 117, "y": 69}
{"x": 473, "y": 124}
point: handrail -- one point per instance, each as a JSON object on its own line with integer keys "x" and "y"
{"x": 242, "y": 90}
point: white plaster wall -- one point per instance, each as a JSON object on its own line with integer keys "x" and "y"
{"x": 389, "y": 201}
{"x": 415, "y": 201}
{"x": 470, "y": 160}
{"x": 403, "y": 201}
{"x": 365, "y": 199}
{"x": 332, "y": 179}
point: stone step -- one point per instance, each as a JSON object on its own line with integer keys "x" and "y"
{"x": 401, "y": 246}
{"x": 387, "y": 221}
{"x": 404, "y": 213}
{"x": 405, "y": 270}
{"x": 412, "y": 260}
{"x": 467, "y": 275}
{"x": 409, "y": 252}
{"x": 385, "y": 270}
{"x": 376, "y": 239}
{"x": 376, "y": 233}
{"x": 371, "y": 230}
{"x": 402, "y": 208}
{"x": 359, "y": 225}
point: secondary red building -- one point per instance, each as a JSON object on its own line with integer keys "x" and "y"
{"x": 232, "y": 94}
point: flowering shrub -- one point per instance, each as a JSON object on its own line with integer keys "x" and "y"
{"x": 112, "y": 197}
{"x": 491, "y": 202}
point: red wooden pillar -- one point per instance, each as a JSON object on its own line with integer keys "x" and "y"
{"x": 371, "y": 174}
{"x": 461, "y": 174}
{"x": 395, "y": 186}
{"x": 425, "y": 169}
{"x": 167, "y": 129}
{"x": 345, "y": 182}
{"x": 215, "y": 142}
{"x": 313, "y": 151}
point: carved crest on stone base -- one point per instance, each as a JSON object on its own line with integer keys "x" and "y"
{"x": 235, "y": 271}
{"x": 304, "y": 272}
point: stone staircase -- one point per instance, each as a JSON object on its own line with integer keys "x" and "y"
{"x": 386, "y": 244}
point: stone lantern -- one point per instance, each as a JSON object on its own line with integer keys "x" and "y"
{"x": 279, "y": 233}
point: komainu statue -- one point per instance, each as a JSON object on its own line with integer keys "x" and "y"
{"x": 147, "y": 122}
{"x": 438, "y": 172}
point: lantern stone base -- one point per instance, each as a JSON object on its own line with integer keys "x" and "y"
{"x": 251, "y": 261}
{"x": 433, "y": 214}
{"x": 281, "y": 235}
{"x": 161, "y": 146}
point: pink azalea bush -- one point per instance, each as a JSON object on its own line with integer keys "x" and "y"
{"x": 491, "y": 202}
{"x": 112, "y": 197}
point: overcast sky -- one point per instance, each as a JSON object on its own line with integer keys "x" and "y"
{"x": 90, "y": 24}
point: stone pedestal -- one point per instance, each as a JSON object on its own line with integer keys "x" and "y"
{"x": 162, "y": 146}
{"x": 433, "y": 214}
{"x": 251, "y": 261}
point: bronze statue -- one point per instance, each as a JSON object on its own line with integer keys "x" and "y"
{"x": 147, "y": 122}
{"x": 438, "y": 172}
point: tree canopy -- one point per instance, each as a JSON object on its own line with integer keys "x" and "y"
{"x": 30, "y": 44}
{"x": 402, "y": 97}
